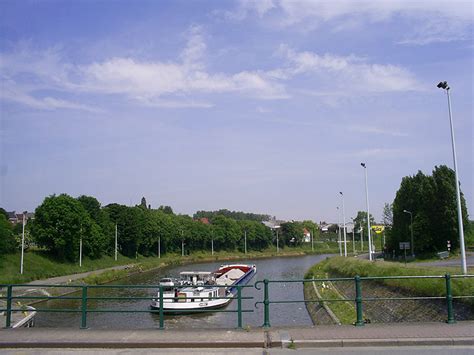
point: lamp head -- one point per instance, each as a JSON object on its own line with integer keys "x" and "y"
{"x": 362, "y": 164}
{"x": 443, "y": 85}
{"x": 341, "y": 193}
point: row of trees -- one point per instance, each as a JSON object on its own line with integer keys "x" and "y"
{"x": 432, "y": 201}
{"x": 62, "y": 221}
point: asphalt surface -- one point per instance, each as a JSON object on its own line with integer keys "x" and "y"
{"x": 345, "y": 336}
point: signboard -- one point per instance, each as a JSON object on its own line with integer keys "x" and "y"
{"x": 404, "y": 245}
{"x": 378, "y": 228}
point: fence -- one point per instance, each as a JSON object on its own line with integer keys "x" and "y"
{"x": 84, "y": 298}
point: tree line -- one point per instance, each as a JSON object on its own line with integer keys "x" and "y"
{"x": 62, "y": 222}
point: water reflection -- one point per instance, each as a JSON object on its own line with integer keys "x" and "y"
{"x": 286, "y": 314}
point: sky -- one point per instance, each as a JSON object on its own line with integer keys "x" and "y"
{"x": 262, "y": 106}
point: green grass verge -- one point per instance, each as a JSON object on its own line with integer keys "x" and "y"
{"x": 344, "y": 311}
{"x": 350, "y": 267}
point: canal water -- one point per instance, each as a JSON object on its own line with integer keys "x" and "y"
{"x": 285, "y": 314}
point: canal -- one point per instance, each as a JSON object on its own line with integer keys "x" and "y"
{"x": 287, "y": 314}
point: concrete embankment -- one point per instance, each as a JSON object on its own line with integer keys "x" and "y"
{"x": 461, "y": 333}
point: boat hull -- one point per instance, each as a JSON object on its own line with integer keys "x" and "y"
{"x": 189, "y": 306}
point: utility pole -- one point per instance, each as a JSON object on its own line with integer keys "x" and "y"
{"x": 339, "y": 230}
{"x": 344, "y": 225}
{"x": 23, "y": 243}
{"x": 159, "y": 247}
{"x": 80, "y": 248}
{"x": 245, "y": 240}
{"x": 116, "y": 242}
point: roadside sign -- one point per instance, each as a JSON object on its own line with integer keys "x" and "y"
{"x": 404, "y": 245}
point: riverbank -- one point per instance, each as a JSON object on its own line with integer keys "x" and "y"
{"x": 388, "y": 309}
{"x": 38, "y": 266}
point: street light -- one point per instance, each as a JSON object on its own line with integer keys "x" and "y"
{"x": 344, "y": 224}
{"x": 353, "y": 237}
{"x": 23, "y": 243}
{"x": 444, "y": 85}
{"x": 245, "y": 241}
{"x": 339, "y": 230}
{"x": 116, "y": 242}
{"x": 278, "y": 248}
{"x": 411, "y": 228}
{"x": 182, "y": 243}
{"x": 368, "y": 213}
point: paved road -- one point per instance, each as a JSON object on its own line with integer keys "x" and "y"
{"x": 68, "y": 278}
{"x": 412, "y": 350}
{"x": 452, "y": 262}
{"x": 400, "y": 335}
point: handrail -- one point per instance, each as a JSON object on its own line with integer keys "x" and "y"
{"x": 359, "y": 299}
{"x": 84, "y": 299}
{"x": 262, "y": 285}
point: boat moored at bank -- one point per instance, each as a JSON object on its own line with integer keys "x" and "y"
{"x": 196, "y": 291}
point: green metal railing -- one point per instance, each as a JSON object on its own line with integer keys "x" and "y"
{"x": 359, "y": 299}
{"x": 85, "y": 308}
{"x": 81, "y": 293}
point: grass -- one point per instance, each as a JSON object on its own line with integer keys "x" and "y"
{"x": 344, "y": 311}
{"x": 38, "y": 265}
{"x": 349, "y": 267}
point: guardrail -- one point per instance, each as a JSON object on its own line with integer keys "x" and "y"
{"x": 84, "y": 309}
{"x": 359, "y": 299}
{"x": 84, "y": 298}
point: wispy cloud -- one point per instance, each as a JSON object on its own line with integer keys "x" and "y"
{"x": 430, "y": 21}
{"x": 340, "y": 75}
{"x": 150, "y": 83}
{"x": 376, "y": 130}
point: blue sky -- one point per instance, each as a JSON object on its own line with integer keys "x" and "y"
{"x": 262, "y": 106}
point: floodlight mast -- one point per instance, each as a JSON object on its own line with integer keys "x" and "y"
{"x": 444, "y": 85}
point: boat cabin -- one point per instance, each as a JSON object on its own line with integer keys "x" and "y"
{"x": 196, "y": 278}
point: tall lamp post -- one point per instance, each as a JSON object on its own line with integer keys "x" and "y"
{"x": 278, "y": 248}
{"x": 344, "y": 224}
{"x": 411, "y": 228}
{"x": 444, "y": 85}
{"x": 182, "y": 243}
{"x": 245, "y": 242}
{"x": 23, "y": 243}
{"x": 368, "y": 213}
{"x": 116, "y": 242}
{"x": 353, "y": 237}
{"x": 339, "y": 230}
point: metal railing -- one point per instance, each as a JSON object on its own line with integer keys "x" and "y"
{"x": 359, "y": 299}
{"x": 85, "y": 308}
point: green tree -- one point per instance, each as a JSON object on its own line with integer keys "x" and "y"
{"x": 4, "y": 212}
{"x": 432, "y": 202}
{"x": 292, "y": 233}
{"x": 7, "y": 238}
{"x": 60, "y": 222}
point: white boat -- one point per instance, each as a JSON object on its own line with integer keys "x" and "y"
{"x": 203, "y": 290}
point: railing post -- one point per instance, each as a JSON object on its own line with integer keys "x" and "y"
{"x": 449, "y": 300}
{"x": 239, "y": 306}
{"x": 9, "y": 307}
{"x": 84, "y": 308}
{"x": 360, "y": 320}
{"x": 266, "y": 303}
{"x": 162, "y": 321}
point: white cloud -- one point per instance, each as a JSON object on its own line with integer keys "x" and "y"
{"x": 144, "y": 82}
{"x": 430, "y": 20}
{"x": 340, "y": 75}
